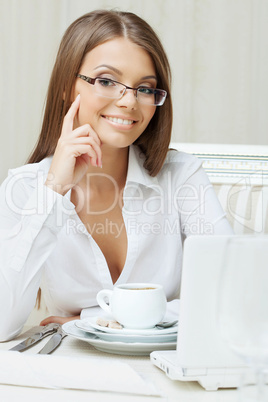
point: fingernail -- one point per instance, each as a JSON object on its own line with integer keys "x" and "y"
{"x": 78, "y": 97}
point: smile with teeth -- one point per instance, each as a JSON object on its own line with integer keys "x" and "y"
{"x": 119, "y": 121}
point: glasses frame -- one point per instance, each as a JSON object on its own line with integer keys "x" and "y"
{"x": 92, "y": 81}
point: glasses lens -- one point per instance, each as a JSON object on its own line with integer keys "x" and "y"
{"x": 160, "y": 97}
{"x": 108, "y": 88}
{"x": 151, "y": 96}
{"x": 111, "y": 89}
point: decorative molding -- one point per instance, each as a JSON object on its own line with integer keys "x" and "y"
{"x": 230, "y": 166}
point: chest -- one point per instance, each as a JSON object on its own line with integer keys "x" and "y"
{"x": 103, "y": 219}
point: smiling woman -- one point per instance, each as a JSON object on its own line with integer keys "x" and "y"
{"x": 103, "y": 200}
{"x": 115, "y": 110}
{"x": 82, "y": 39}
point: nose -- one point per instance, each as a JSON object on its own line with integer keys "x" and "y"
{"x": 128, "y": 98}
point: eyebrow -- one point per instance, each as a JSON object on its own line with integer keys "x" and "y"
{"x": 120, "y": 72}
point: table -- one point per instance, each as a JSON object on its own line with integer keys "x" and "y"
{"x": 173, "y": 391}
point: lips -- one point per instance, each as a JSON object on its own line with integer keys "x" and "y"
{"x": 119, "y": 120}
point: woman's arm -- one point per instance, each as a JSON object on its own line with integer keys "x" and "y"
{"x": 30, "y": 220}
{"x": 33, "y": 213}
{"x": 199, "y": 208}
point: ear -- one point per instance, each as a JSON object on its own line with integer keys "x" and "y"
{"x": 64, "y": 95}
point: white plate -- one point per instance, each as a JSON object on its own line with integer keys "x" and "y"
{"x": 119, "y": 348}
{"x": 88, "y": 323}
{"x": 127, "y": 338}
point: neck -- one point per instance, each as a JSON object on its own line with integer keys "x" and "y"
{"x": 113, "y": 171}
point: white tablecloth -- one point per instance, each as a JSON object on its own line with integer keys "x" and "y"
{"x": 171, "y": 391}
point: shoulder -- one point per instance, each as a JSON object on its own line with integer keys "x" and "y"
{"x": 180, "y": 165}
{"x": 41, "y": 167}
{"x": 21, "y": 183}
{"x": 28, "y": 175}
{"x": 174, "y": 156}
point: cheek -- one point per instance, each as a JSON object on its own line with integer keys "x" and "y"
{"x": 149, "y": 114}
{"x": 85, "y": 113}
{"x": 90, "y": 109}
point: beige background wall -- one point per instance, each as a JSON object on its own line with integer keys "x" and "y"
{"x": 218, "y": 50}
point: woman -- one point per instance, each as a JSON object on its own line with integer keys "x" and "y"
{"x": 102, "y": 200}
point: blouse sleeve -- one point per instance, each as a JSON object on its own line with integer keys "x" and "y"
{"x": 199, "y": 208}
{"x": 31, "y": 217}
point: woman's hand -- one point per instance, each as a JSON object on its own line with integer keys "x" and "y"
{"x": 76, "y": 149}
{"x": 59, "y": 320}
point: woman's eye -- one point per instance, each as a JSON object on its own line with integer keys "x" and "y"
{"x": 104, "y": 82}
{"x": 146, "y": 91}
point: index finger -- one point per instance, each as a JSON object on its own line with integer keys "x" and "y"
{"x": 70, "y": 115}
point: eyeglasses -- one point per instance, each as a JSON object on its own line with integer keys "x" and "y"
{"x": 115, "y": 90}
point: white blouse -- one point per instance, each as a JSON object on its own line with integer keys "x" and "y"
{"x": 44, "y": 243}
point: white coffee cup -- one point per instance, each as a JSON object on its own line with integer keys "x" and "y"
{"x": 134, "y": 305}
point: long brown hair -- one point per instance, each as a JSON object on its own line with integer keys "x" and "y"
{"x": 81, "y": 37}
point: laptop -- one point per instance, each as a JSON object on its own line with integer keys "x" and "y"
{"x": 201, "y": 354}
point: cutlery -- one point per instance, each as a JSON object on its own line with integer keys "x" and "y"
{"x": 32, "y": 340}
{"x": 166, "y": 324}
{"x": 53, "y": 342}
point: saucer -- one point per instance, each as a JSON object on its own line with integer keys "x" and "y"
{"x": 119, "y": 348}
{"x": 88, "y": 323}
{"x": 128, "y": 338}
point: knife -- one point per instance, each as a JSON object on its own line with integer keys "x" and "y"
{"x": 53, "y": 342}
{"x": 32, "y": 340}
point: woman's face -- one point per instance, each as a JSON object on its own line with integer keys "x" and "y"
{"x": 118, "y": 122}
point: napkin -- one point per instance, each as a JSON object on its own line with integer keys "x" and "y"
{"x": 69, "y": 372}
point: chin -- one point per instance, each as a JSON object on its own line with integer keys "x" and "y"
{"x": 118, "y": 140}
